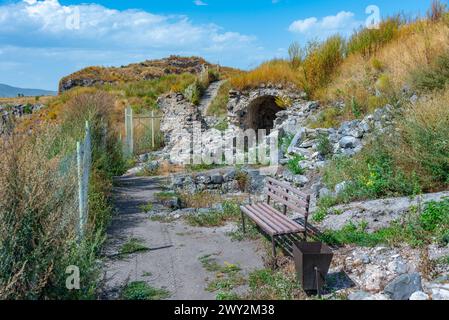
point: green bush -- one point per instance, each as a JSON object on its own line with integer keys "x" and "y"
{"x": 38, "y": 202}
{"x": 371, "y": 174}
{"x": 324, "y": 146}
{"x": 293, "y": 164}
{"x": 430, "y": 226}
{"x": 321, "y": 61}
{"x": 368, "y": 41}
{"x": 432, "y": 77}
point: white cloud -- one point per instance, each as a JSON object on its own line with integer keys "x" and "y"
{"x": 45, "y": 23}
{"x": 199, "y": 3}
{"x": 49, "y": 39}
{"x": 343, "y": 22}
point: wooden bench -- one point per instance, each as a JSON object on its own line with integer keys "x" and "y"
{"x": 273, "y": 222}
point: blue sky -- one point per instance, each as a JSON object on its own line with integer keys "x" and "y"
{"x": 43, "y": 40}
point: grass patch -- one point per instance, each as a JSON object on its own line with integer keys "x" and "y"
{"x": 162, "y": 218}
{"x": 140, "y": 290}
{"x": 227, "y": 277}
{"x": 266, "y": 284}
{"x": 197, "y": 200}
{"x": 146, "y": 207}
{"x": 274, "y": 72}
{"x": 165, "y": 195}
{"x": 430, "y": 226}
{"x": 133, "y": 245}
{"x": 293, "y": 164}
{"x": 371, "y": 174}
{"x": 252, "y": 232}
{"x": 215, "y": 218}
{"x": 432, "y": 77}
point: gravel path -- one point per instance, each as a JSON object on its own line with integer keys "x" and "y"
{"x": 173, "y": 261}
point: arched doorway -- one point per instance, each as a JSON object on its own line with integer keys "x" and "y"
{"x": 261, "y": 113}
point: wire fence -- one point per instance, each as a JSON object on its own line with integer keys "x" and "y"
{"x": 84, "y": 165}
{"x": 142, "y": 132}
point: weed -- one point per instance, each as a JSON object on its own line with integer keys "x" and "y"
{"x": 266, "y": 284}
{"x": 140, "y": 290}
{"x": 215, "y": 218}
{"x": 324, "y": 146}
{"x": 146, "y": 207}
{"x": 133, "y": 245}
{"x": 293, "y": 164}
{"x": 165, "y": 195}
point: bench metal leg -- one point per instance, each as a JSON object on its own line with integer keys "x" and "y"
{"x": 273, "y": 244}
{"x": 243, "y": 223}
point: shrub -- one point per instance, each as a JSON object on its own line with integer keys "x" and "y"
{"x": 193, "y": 92}
{"x": 432, "y": 77}
{"x": 437, "y": 11}
{"x": 293, "y": 164}
{"x": 328, "y": 118}
{"x": 321, "y": 61}
{"x": 295, "y": 54}
{"x": 324, "y": 146}
{"x": 418, "y": 230}
{"x": 38, "y": 201}
{"x": 368, "y": 41}
{"x": 371, "y": 174}
{"x": 423, "y": 146}
{"x": 274, "y": 71}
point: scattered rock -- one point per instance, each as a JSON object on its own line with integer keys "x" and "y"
{"x": 419, "y": 295}
{"x": 404, "y": 286}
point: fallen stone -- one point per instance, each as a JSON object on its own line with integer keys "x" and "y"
{"x": 359, "y": 295}
{"x": 419, "y": 296}
{"x": 404, "y": 286}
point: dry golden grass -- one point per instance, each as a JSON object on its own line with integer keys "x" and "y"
{"x": 423, "y": 148}
{"x": 417, "y": 45}
{"x": 275, "y": 72}
{"x": 358, "y": 79}
{"x": 25, "y": 100}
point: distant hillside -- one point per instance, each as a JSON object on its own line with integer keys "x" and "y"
{"x": 11, "y": 92}
{"x": 147, "y": 70}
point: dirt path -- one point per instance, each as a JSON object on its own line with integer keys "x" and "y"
{"x": 209, "y": 95}
{"x": 173, "y": 261}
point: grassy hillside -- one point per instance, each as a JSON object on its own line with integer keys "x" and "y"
{"x": 147, "y": 70}
{"x": 404, "y": 63}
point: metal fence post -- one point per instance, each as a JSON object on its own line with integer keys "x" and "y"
{"x": 152, "y": 129}
{"x": 79, "y": 158}
{"x": 129, "y": 131}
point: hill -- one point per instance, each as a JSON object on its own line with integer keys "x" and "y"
{"x": 7, "y": 91}
{"x": 147, "y": 70}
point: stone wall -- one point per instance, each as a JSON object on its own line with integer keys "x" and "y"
{"x": 15, "y": 111}
{"x": 219, "y": 180}
{"x": 243, "y": 106}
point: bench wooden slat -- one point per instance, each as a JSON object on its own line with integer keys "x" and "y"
{"x": 287, "y": 186}
{"x": 278, "y": 217}
{"x": 289, "y": 204}
{"x": 292, "y": 224}
{"x": 268, "y": 220}
{"x": 258, "y": 221}
{"x": 290, "y": 196}
{"x": 273, "y": 219}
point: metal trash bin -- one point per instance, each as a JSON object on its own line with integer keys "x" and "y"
{"x": 312, "y": 262}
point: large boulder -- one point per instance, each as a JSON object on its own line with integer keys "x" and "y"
{"x": 404, "y": 286}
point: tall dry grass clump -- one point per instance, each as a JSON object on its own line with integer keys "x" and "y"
{"x": 274, "y": 72}
{"x": 39, "y": 201}
{"x": 424, "y": 144}
{"x": 37, "y": 214}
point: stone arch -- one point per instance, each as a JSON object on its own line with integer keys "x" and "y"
{"x": 261, "y": 113}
